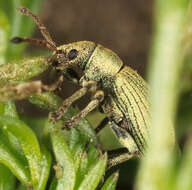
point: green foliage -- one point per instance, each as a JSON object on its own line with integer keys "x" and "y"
{"x": 71, "y": 160}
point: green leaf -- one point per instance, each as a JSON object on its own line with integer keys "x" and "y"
{"x": 7, "y": 179}
{"x": 76, "y": 146}
{"x": 65, "y": 163}
{"x": 93, "y": 177}
{"x": 46, "y": 100}
{"x": 22, "y": 187}
{"x": 29, "y": 144}
{"x": 22, "y": 70}
{"x": 77, "y": 153}
{"x": 45, "y": 169}
{"x": 9, "y": 109}
{"x": 74, "y": 139}
{"x": 93, "y": 155}
{"x": 8, "y": 158}
{"x": 82, "y": 168}
{"x": 111, "y": 182}
{"x": 53, "y": 185}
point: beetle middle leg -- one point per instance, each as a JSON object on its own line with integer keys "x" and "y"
{"x": 89, "y": 86}
{"x": 98, "y": 97}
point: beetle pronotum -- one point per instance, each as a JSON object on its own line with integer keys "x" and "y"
{"x": 118, "y": 89}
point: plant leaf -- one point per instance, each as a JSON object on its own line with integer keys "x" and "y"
{"x": 29, "y": 144}
{"x": 93, "y": 177}
{"x": 8, "y": 158}
{"x": 65, "y": 162}
{"x": 45, "y": 169}
{"x": 111, "y": 182}
{"x": 7, "y": 179}
{"x": 53, "y": 185}
{"x": 22, "y": 70}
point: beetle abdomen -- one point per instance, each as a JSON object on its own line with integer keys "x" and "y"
{"x": 128, "y": 105}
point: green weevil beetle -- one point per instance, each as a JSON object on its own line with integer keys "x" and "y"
{"x": 118, "y": 89}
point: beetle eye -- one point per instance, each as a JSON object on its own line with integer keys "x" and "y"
{"x": 60, "y": 51}
{"x": 72, "y": 54}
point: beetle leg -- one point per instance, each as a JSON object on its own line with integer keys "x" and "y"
{"x": 124, "y": 137}
{"x": 53, "y": 86}
{"x": 98, "y": 97}
{"x": 119, "y": 159}
{"x": 101, "y": 125}
{"x": 90, "y": 86}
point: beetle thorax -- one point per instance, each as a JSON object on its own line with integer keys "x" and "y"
{"x": 103, "y": 65}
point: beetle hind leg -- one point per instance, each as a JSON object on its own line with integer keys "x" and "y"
{"x": 118, "y": 159}
{"x": 124, "y": 137}
{"x": 101, "y": 125}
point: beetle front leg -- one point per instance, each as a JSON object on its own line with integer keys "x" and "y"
{"x": 98, "y": 97}
{"x": 90, "y": 86}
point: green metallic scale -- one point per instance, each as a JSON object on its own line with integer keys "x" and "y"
{"x": 125, "y": 101}
{"x": 117, "y": 89}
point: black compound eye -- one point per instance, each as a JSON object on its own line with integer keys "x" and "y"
{"x": 59, "y": 51}
{"x": 72, "y": 54}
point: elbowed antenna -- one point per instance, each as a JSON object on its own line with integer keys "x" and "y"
{"x": 40, "y": 25}
{"x": 43, "y": 43}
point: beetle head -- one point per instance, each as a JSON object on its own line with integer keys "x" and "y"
{"x": 65, "y": 56}
{"x": 74, "y": 54}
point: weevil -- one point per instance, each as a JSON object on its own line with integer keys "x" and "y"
{"x": 120, "y": 91}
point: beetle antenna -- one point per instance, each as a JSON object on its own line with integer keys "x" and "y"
{"x": 43, "y": 43}
{"x": 40, "y": 25}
